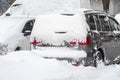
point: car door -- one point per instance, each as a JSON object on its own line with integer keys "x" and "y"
{"x": 116, "y": 30}
{"x": 107, "y": 37}
{"x": 94, "y": 24}
{"x": 27, "y": 29}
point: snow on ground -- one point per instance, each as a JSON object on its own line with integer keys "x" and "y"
{"x": 27, "y": 65}
{"x": 60, "y": 52}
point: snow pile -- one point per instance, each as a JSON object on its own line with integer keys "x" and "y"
{"x": 117, "y": 17}
{"x": 26, "y": 65}
{"x": 47, "y": 28}
{"x": 37, "y": 7}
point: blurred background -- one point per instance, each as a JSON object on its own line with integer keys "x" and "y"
{"x": 4, "y": 5}
{"x": 110, "y": 6}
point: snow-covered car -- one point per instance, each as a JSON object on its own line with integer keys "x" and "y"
{"x": 95, "y": 32}
{"x": 57, "y": 30}
{"x": 12, "y": 33}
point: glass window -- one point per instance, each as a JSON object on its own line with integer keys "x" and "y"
{"x": 91, "y": 21}
{"x": 114, "y": 25}
{"x": 97, "y": 22}
{"x": 28, "y": 26}
{"x": 104, "y": 23}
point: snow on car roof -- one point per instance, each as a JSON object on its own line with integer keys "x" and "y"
{"x": 46, "y": 25}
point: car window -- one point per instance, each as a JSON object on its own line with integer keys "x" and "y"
{"x": 114, "y": 24}
{"x": 28, "y": 26}
{"x": 91, "y": 21}
{"x": 104, "y": 23}
{"x": 97, "y": 22}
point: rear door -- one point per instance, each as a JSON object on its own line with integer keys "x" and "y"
{"x": 94, "y": 24}
{"x": 116, "y": 30}
{"x": 107, "y": 37}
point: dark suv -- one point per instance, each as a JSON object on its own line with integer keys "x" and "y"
{"x": 103, "y": 38}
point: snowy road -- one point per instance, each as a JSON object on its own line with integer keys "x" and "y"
{"x": 26, "y": 65}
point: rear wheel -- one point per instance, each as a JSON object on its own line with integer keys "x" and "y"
{"x": 18, "y": 49}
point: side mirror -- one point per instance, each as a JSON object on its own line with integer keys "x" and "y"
{"x": 27, "y": 33}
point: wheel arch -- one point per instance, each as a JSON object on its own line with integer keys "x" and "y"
{"x": 102, "y": 53}
{"x": 18, "y": 48}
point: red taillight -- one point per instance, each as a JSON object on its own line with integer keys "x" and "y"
{"x": 35, "y": 42}
{"x": 87, "y": 42}
{"x": 77, "y": 63}
{"x": 73, "y": 42}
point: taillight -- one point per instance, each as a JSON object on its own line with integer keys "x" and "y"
{"x": 87, "y": 42}
{"x": 35, "y": 42}
{"x": 77, "y": 63}
{"x": 73, "y": 42}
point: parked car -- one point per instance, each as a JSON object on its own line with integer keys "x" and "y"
{"x": 12, "y": 31}
{"x": 95, "y": 32}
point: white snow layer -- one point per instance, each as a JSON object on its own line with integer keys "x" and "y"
{"x": 117, "y": 17}
{"x": 26, "y": 65}
{"x": 60, "y": 52}
{"x": 46, "y": 28}
{"x": 37, "y": 7}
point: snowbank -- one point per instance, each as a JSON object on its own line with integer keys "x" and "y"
{"x": 26, "y": 65}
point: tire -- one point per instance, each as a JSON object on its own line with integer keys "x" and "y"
{"x": 97, "y": 58}
{"x": 17, "y": 49}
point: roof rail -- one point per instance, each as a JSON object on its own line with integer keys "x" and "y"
{"x": 94, "y": 11}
